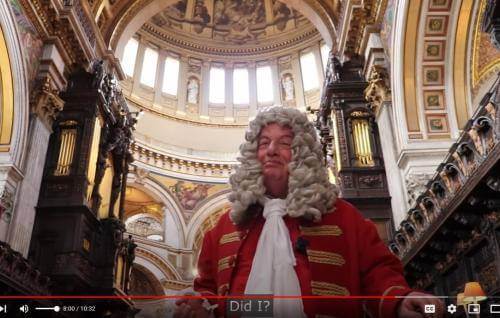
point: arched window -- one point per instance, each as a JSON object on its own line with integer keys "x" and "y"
{"x": 217, "y": 85}
{"x": 171, "y": 76}
{"x": 264, "y": 85}
{"x": 241, "y": 93}
{"x": 148, "y": 74}
{"x": 129, "y": 56}
{"x": 309, "y": 73}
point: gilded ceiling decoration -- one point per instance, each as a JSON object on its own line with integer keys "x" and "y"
{"x": 486, "y": 57}
{"x": 138, "y": 202}
{"x": 231, "y": 26}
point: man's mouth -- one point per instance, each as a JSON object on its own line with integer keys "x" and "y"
{"x": 272, "y": 163}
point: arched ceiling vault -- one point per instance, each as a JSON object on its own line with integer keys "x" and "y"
{"x": 131, "y": 15}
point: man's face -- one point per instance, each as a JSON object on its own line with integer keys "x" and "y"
{"x": 275, "y": 151}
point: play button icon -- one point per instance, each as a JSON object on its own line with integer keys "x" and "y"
{"x": 3, "y": 309}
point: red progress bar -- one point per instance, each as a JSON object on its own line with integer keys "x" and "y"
{"x": 198, "y": 297}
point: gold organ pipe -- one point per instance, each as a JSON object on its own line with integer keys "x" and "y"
{"x": 365, "y": 142}
{"x": 72, "y": 150}
{"x": 362, "y": 145}
{"x": 94, "y": 152}
{"x": 368, "y": 144}
{"x": 356, "y": 138}
{"x": 68, "y": 139}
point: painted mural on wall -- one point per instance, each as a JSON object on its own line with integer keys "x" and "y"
{"x": 189, "y": 194}
{"x": 31, "y": 43}
{"x": 234, "y": 21}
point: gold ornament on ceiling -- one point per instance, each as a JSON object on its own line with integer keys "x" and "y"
{"x": 233, "y": 23}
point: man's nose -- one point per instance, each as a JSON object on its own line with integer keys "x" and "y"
{"x": 273, "y": 148}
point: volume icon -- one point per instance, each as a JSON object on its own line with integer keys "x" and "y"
{"x": 24, "y": 308}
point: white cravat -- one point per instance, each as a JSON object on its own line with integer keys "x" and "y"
{"x": 273, "y": 264}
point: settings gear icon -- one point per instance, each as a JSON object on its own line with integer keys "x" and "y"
{"x": 452, "y": 309}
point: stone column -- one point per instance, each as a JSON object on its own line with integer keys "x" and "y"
{"x": 319, "y": 69}
{"x": 160, "y": 70}
{"x": 46, "y": 104}
{"x": 205, "y": 85}
{"x": 229, "y": 109}
{"x": 297, "y": 80}
{"x": 182, "y": 86}
{"x": 252, "y": 89}
{"x": 276, "y": 81}
{"x": 378, "y": 95}
{"x": 138, "y": 66}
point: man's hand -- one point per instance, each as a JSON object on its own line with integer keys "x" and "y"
{"x": 414, "y": 307}
{"x": 190, "y": 308}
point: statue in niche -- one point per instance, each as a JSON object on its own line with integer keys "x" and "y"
{"x": 193, "y": 88}
{"x": 288, "y": 87}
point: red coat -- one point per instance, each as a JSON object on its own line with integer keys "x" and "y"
{"x": 345, "y": 256}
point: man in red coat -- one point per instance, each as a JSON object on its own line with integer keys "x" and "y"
{"x": 288, "y": 234}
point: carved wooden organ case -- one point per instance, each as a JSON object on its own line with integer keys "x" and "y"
{"x": 350, "y": 139}
{"x": 78, "y": 233}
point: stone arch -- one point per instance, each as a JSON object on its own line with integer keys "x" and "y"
{"x": 144, "y": 281}
{"x": 157, "y": 265}
{"x": 175, "y": 236}
{"x": 14, "y": 113}
{"x": 14, "y": 91}
{"x": 141, "y": 11}
{"x": 202, "y": 213}
{"x": 430, "y": 53}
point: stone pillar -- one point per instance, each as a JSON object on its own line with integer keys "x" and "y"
{"x": 138, "y": 66}
{"x": 378, "y": 95}
{"x": 45, "y": 105}
{"x": 229, "y": 109}
{"x": 205, "y": 85}
{"x": 182, "y": 86}
{"x": 276, "y": 81}
{"x": 160, "y": 70}
{"x": 319, "y": 69}
{"x": 297, "y": 80}
{"x": 252, "y": 89}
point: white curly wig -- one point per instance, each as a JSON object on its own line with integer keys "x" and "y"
{"x": 310, "y": 194}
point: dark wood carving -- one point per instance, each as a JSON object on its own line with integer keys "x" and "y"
{"x": 72, "y": 244}
{"x": 451, "y": 234}
{"x": 343, "y": 99}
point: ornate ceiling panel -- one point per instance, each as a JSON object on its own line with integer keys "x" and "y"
{"x": 230, "y": 27}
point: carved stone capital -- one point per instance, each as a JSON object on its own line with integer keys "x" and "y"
{"x": 45, "y": 101}
{"x": 378, "y": 90}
